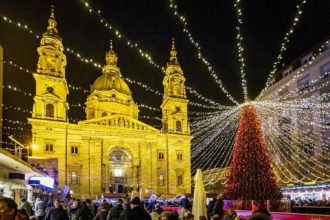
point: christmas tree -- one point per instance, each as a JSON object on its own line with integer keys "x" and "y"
{"x": 251, "y": 176}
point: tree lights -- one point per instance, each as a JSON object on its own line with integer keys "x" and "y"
{"x": 251, "y": 176}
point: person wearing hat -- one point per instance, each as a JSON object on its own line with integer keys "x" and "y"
{"x": 115, "y": 212}
{"x": 137, "y": 211}
{"x": 259, "y": 212}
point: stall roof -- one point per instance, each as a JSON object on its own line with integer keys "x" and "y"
{"x": 19, "y": 165}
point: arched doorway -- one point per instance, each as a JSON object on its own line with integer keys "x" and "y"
{"x": 121, "y": 171}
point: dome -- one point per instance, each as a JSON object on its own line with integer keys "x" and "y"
{"x": 110, "y": 81}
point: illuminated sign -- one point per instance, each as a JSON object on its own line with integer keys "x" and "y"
{"x": 44, "y": 181}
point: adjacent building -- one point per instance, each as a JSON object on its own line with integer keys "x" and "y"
{"x": 110, "y": 151}
{"x": 305, "y": 82}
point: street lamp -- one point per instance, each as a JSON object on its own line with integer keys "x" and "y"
{"x": 35, "y": 146}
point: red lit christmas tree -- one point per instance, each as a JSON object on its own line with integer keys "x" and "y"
{"x": 251, "y": 176}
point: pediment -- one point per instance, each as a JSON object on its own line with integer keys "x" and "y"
{"x": 120, "y": 121}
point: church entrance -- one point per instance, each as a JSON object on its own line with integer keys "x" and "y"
{"x": 121, "y": 172}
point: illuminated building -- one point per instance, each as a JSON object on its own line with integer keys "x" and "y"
{"x": 110, "y": 151}
{"x": 306, "y": 128}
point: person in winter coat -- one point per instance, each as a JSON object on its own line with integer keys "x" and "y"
{"x": 218, "y": 207}
{"x": 230, "y": 214}
{"x": 26, "y": 206}
{"x": 84, "y": 213}
{"x": 210, "y": 207}
{"x": 127, "y": 209}
{"x": 102, "y": 213}
{"x": 115, "y": 212}
{"x": 8, "y": 209}
{"x": 90, "y": 206}
{"x": 137, "y": 211}
{"x": 258, "y": 212}
{"x": 57, "y": 212}
{"x": 154, "y": 215}
{"x": 73, "y": 211}
{"x": 39, "y": 209}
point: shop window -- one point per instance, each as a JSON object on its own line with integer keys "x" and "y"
{"x": 74, "y": 178}
{"x": 74, "y": 150}
{"x": 178, "y": 126}
{"x": 50, "y": 110}
{"x": 49, "y": 147}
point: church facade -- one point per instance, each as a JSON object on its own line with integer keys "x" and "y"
{"x": 111, "y": 150}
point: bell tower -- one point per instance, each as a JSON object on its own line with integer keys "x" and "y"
{"x": 50, "y": 100}
{"x": 174, "y": 106}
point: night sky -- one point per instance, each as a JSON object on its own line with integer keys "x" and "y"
{"x": 152, "y": 24}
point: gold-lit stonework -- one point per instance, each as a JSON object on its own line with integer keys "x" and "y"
{"x": 110, "y": 151}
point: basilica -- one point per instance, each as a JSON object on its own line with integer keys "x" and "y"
{"x": 111, "y": 151}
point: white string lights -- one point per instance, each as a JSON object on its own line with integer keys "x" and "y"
{"x": 214, "y": 131}
{"x": 97, "y": 65}
{"x": 240, "y": 48}
{"x": 121, "y": 36}
{"x": 200, "y": 56}
{"x": 286, "y": 40}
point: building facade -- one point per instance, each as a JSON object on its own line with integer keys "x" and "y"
{"x": 110, "y": 151}
{"x": 306, "y": 82}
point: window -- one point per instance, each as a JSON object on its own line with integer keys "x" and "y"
{"x": 287, "y": 71}
{"x": 326, "y": 96}
{"x": 325, "y": 70}
{"x": 74, "y": 178}
{"x": 74, "y": 150}
{"x": 309, "y": 149}
{"x": 178, "y": 126}
{"x": 104, "y": 114}
{"x": 272, "y": 81}
{"x": 50, "y": 110}
{"x": 326, "y": 118}
{"x": 160, "y": 155}
{"x": 113, "y": 95}
{"x": 177, "y": 109}
{"x": 179, "y": 180}
{"x": 49, "y": 147}
{"x": 306, "y": 58}
{"x": 165, "y": 127}
{"x": 118, "y": 172}
{"x": 161, "y": 180}
{"x": 303, "y": 83}
{"x": 179, "y": 156}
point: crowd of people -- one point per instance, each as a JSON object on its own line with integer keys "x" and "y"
{"x": 310, "y": 202}
{"x": 135, "y": 209}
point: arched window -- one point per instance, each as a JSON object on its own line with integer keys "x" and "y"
{"x": 50, "y": 110}
{"x": 104, "y": 114}
{"x": 178, "y": 126}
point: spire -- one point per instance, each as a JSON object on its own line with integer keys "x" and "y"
{"x": 51, "y": 21}
{"x": 173, "y": 53}
{"x": 111, "y": 56}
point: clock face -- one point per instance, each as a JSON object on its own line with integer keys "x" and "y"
{"x": 50, "y": 89}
